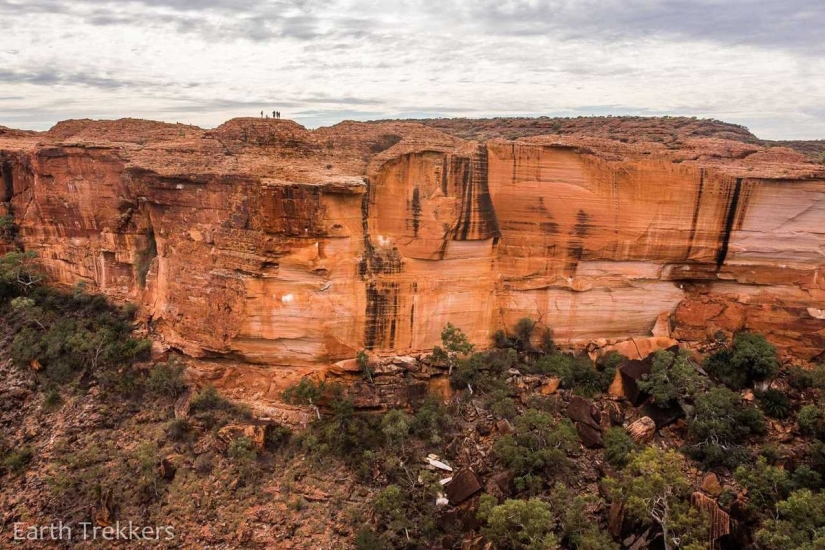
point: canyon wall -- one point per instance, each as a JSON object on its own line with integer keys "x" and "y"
{"x": 261, "y": 242}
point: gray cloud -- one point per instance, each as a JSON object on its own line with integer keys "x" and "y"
{"x": 54, "y": 77}
{"x": 793, "y": 24}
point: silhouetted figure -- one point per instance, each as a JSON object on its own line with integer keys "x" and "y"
{"x": 274, "y": 113}
{"x": 262, "y": 114}
{"x": 278, "y": 113}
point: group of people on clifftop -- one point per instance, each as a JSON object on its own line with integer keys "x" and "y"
{"x": 275, "y": 114}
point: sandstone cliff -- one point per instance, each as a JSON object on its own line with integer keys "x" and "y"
{"x": 263, "y": 242}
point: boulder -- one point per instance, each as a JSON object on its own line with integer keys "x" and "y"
{"x": 256, "y": 433}
{"x": 719, "y": 519}
{"x": 463, "y": 485}
{"x": 582, "y": 410}
{"x": 627, "y": 376}
{"x": 642, "y": 430}
{"x": 550, "y": 387}
{"x": 662, "y": 416}
{"x": 504, "y": 427}
{"x": 590, "y": 437}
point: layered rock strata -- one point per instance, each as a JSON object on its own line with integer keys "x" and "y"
{"x": 262, "y": 242}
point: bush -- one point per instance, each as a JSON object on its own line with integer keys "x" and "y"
{"x": 811, "y": 420}
{"x": 406, "y": 517}
{"x": 73, "y": 334}
{"x": 803, "y": 379}
{"x": 524, "y": 331}
{"x": 52, "y": 400}
{"x": 617, "y": 447}
{"x": 654, "y": 489}
{"x": 575, "y": 373}
{"x": 766, "y": 485}
{"x": 538, "y": 449}
{"x": 17, "y": 462}
{"x": 750, "y": 358}
{"x": 775, "y": 403}
{"x": 518, "y": 524}
{"x": 243, "y": 455}
{"x": 208, "y": 399}
{"x": 396, "y": 425}
{"x": 800, "y": 523}
{"x": 431, "y": 420}
{"x": 577, "y": 529}
{"x": 178, "y": 429}
{"x": 305, "y": 392}
{"x": 721, "y": 423}
{"x": 483, "y": 371}
{"x": 672, "y": 377}
{"x": 166, "y": 379}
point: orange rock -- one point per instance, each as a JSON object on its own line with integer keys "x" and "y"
{"x": 550, "y": 387}
{"x": 276, "y": 246}
{"x": 642, "y": 430}
{"x": 711, "y": 485}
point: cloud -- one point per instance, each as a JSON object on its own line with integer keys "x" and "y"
{"x": 792, "y": 24}
{"x": 53, "y": 77}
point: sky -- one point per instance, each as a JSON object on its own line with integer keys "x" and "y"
{"x": 759, "y": 63}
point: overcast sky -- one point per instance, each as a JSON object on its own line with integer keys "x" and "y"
{"x": 760, "y": 63}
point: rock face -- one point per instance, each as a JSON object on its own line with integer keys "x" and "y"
{"x": 265, "y": 243}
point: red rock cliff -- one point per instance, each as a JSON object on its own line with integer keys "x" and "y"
{"x": 267, "y": 243}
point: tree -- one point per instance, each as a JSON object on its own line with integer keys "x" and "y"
{"x": 672, "y": 378}
{"x": 800, "y": 523}
{"x": 518, "y": 524}
{"x": 750, "y": 358}
{"x": 538, "y": 449}
{"x": 721, "y": 423}
{"x": 654, "y": 489}
{"x": 524, "y": 331}
{"x": 455, "y": 343}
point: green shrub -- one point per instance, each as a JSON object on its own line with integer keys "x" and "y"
{"x": 654, "y": 489}
{"x": 538, "y": 449}
{"x": 406, "y": 517}
{"x": 363, "y": 361}
{"x": 803, "y": 379}
{"x": 575, "y": 373}
{"x": 800, "y": 523}
{"x": 576, "y": 528}
{"x": 431, "y": 421}
{"x": 244, "y": 456}
{"x": 672, "y": 377}
{"x": 766, "y": 485}
{"x": 396, "y": 425}
{"x": 524, "y": 332}
{"x": 617, "y": 447}
{"x": 305, "y": 392}
{"x": 166, "y": 379}
{"x": 178, "y": 429}
{"x": 811, "y": 420}
{"x": 18, "y": 461}
{"x": 518, "y": 524}
{"x": 775, "y": 403}
{"x": 805, "y": 477}
{"x": 721, "y": 423}
{"x": 52, "y": 400}
{"x": 750, "y": 358}
{"x": 73, "y": 334}
{"x": 208, "y": 399}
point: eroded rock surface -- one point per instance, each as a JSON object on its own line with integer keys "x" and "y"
{"x": 265, "y": 243}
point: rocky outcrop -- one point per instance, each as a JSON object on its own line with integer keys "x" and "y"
{"x": 261, "y": 242}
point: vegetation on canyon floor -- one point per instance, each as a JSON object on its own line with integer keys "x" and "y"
{"x": 94, "y": 431}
